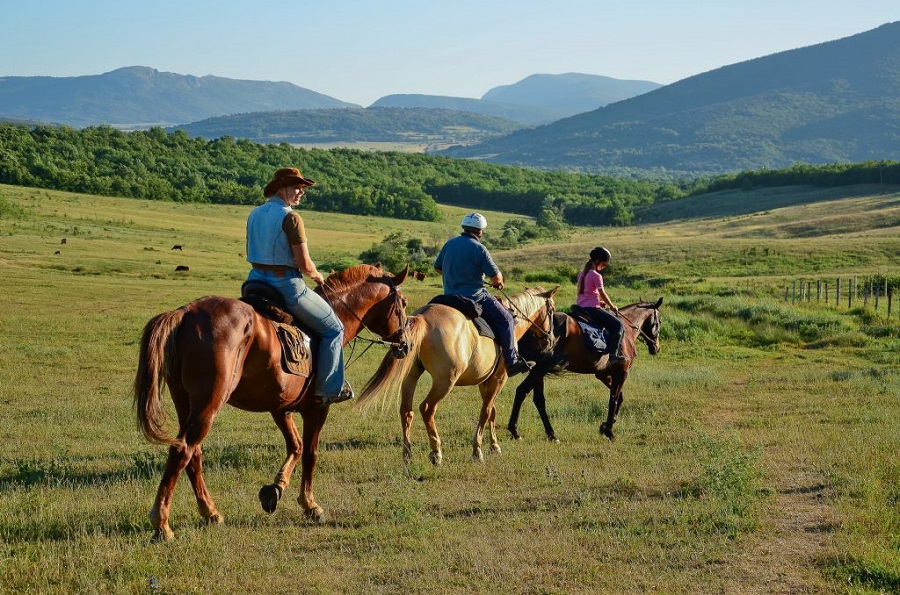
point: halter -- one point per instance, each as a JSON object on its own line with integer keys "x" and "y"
{"x": 400, "y": 347}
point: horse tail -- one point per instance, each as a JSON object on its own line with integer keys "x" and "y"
{"x": 156, "y": 353}
{"x": 392, "y": 370}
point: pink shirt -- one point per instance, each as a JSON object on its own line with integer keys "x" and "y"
{"x": 590, "y": 296}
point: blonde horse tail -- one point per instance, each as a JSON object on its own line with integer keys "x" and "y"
{"x": 392, "y": 371}
{"x": 156, "y": 354}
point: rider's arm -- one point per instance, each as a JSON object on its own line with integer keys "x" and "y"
{"x": 305, "y": 263}
{"x": 497, "y": 280}
{"x": 602, "y": 293}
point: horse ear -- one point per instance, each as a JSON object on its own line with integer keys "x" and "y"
{"x": 658, "y": 303}
{"x": 400, "y": 277}
{"x": 552, "y": 292}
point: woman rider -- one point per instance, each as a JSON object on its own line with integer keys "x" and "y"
{"x": 278, "y": 251}
{"x": 593, "y": 301}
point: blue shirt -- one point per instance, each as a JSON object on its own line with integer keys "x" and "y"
{"x": 464, "y": 263}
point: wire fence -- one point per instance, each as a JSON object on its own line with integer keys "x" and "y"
{"x": 874, "y": 292}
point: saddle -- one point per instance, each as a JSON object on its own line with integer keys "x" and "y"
{"x": 594, "y": 336}
{"x": 469, "y": 308}
{"x": 295, "y": 338}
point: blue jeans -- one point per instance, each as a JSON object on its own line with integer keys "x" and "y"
{"x": 313, "y": 311}
{"x": 501, "y": 322}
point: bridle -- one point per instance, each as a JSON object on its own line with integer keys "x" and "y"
{"x": 549, "y": 307}
{"x": 650, "y": 341}
{"x": 400, "y": 347}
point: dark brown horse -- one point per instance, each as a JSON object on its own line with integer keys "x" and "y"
{"x": 641, "y": 322}
{"x": 218, "y": 350}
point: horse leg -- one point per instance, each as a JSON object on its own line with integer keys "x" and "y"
{"x": 526, "y": 386}
{"x": 270, "y": 494}
{"x": 489, "y": 391}
{"x": 204, "y": 501}
{"x": 180, "y": 456}
{"x": 428, "y": 407}
{"x": 540, "y": 402}
{"x": 313, "y": 420}
{"x": 407, "y": 393}
{"x": 615, "y": 402}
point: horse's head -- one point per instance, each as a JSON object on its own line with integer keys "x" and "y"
{"x": 538, "y": 310}
{"x": 649, "y": 332}
{"x": 373, "y": 299}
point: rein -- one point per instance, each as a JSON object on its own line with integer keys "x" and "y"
{"x": 399, "y": 345}
{"x": 549, "y": 316}
{"x": 644, "y": 336}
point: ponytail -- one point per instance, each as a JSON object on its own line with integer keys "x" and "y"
{"x": 587, "y": 267}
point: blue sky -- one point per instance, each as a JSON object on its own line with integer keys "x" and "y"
{"x": 360, "y": 50}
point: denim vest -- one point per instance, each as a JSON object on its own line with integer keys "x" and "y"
{"x": 266, "y": 241}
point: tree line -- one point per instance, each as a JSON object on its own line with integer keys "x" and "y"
{"x": 154, "y": 164}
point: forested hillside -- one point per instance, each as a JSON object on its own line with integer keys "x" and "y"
{"x": 155, "y": 165}
{"x": 374, "y": 124}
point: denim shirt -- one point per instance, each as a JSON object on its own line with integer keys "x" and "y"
{"x": 266, "y": 241}
{"x": 464, "y": 263}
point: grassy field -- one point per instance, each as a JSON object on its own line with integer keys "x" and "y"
{"x": 756, "y": 454}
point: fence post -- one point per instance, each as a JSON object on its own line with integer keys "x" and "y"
{"x": 865, "y": 293}
{"x": 808, "y": 290}
{"x": 818, "y": 290}
{"x": 837, "y": 292}
{"x": 794, "y": 291}
{"x": 826, "y": 293}
{"x": 786, "y": 290}
{"x": 890, "y": 297}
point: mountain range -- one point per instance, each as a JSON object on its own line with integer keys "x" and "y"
{"x": 837, "y": 101}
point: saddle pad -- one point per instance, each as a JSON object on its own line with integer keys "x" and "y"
{"x": 469, "y": 308}
{"x": 295, "y": 349}
{"x": 594, "y": 338}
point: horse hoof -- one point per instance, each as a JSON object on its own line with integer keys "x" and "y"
{"x": 477, "y": 457}
{"x": 161, "y": 535}
{"x": 553, "y": 439}
{"x": 214, "y": 520}
{"x": 514, "y": 433}
{"x": 315, "y": 515}
{"x": 269, "y": 495}
{"x": 436, "y": 458}
{"x": 607, "y": 431}
{"x": 495, "y": 450}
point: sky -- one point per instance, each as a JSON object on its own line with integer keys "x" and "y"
{"x": 360, "y": 50}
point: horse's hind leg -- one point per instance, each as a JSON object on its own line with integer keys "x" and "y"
{"x": 270, "y": 494}
{"x": 489, "y": 391}
{"x": 313, "y": 420}
{"x": 440, "y": 388}
{"x": 205, "y": 503}
{"x": 407, "y": 393}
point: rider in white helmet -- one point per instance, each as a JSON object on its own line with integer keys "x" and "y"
{"x": 463, "y": 263}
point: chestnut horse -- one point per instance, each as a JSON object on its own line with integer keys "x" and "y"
{"x": 443, "y": 342}
{"x": 641, "y": 322}
{"x": 219, "y": 350}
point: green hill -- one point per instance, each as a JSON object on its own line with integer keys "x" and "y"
{"x": 833, "y": 102}
{"x": 374, "y": 124}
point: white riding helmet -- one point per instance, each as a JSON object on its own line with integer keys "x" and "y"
{"x": 474, "y": 220}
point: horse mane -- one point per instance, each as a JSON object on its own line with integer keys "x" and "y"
{"x": 352, "y": 276}
{"x": 529, "y": 297}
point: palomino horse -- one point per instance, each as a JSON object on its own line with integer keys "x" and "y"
{"x": 641, "y": 321}
{"x": 445, "y": 344}
{"x": 219, "y": 350}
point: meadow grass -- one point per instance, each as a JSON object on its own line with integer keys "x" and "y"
{"x": 755, "y": 454}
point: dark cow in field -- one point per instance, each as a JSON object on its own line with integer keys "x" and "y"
{"x": 177, "y": 246}
{"x": 181, "y": 268}
{"x": 62, "y": 241}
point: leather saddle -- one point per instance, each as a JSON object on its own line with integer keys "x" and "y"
{"x": 295, "y": 338}
{"x": 469, "y": 308}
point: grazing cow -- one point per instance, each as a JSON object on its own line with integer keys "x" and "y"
{"x": 62, "y": 241}
{"x": 181, "y": 267}
{"x": 177, "y": 246}
{"x": 57, "y": 253}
